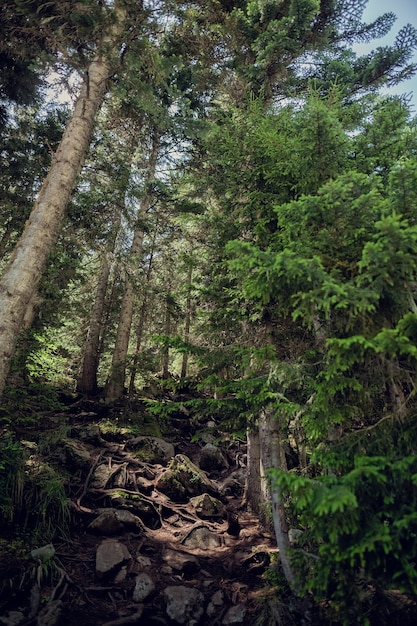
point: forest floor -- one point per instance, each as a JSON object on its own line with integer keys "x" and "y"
{"x": 229, "y": 559}
{"x": 228, "y": 564}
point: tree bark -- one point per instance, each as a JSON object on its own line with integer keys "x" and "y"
{"x": 24, "y": 270}
{"x": 187, "y": 325}
{"x": 273, "y": 457}
{"x": 116, "y": 382}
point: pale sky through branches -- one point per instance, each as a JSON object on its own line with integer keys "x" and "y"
{"x": 406, "y": 12}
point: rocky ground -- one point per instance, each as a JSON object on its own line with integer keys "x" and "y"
{"x": 157, "y": 535}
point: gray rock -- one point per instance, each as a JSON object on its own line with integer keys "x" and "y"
{"x": 50, "y": 614}
{"x": 113, "y": 521}
{"x": 215, "y": 604}
{"x": 111, "y": 555}
{"x": 13, "y": 618}
{"x": 211, "y": 459}
{"x": 183, "y": 479}
{"x": 184, "y": 604}
{"x": 151, "y": 449}
{"x": 201, "y": 537}
{"x": 235, "y": 615}
{"x": 144, "y": 586}
{"x": 77, "y": 454}
{"x": 179, "y": 561}
{"x": 207, "y": 506}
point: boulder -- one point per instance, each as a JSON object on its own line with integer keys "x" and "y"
{"x": 207, "y": 506}
{"x": 184, "y": 605}
{"x": 111, "y": 555}
{"x": 144, "y": 586}
{"x": 212, "y": 459}
{"x": 113, "y": 521}
{"x": 151, "y": 449}
{"x": 201, "y": 537}
{"x": 183, "y": 480}
{"x": 181, "y": 562}
{"x": 235, "y": 615}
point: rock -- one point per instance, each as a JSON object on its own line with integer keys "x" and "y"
{"x": 13, "y": 618}
{"x": 294, "y": 535}
{"x": 139, "y": 506}
{"x": 77, "y": 454}
{"x": 144, "y": 586}
{"x": 89, "y": 433}
{"x": 101, "y": 476}
{"x": 201, "y": 537}
{"x": 143, "y": 562}
{"x": 211, "y": 459}
{"x": 111, "y": 555}
{"x": 151, "y": 449}
{"x": 44, "y": 553}
{"x": 184, "y": 605}
{"x": 207, "y": 506}
{"x": 113, "y": 521}
{"x": 183, "y": 479}
{"x": 234, "y": 484}
{"x": 215, "y": 604}
{"x": 50, "y": 614}
{"x": 235, "y": 615}
{"x": 185, "y": 563}
{"x": 106, "y": 524}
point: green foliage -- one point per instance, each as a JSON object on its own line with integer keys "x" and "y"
{"x": 11, "y": 477}
{"x": 361, "y": 522}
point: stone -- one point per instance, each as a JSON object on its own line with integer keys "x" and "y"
{"x": 211, "y": 459}
{"x": 207, "y": 506}
{"x": 201, "y": 537}
{"x": 215, "y": 604}
{"x": 143, "y": 562}
{"x": 106, "y": 524}
{"x": 100, "y": 476}
{"x": 139, "y": 506}
{"x": 183, "y": 480}
{"x": 113, "y": 521}
{"x": 77, "y": 454}
{"x": 111, "y": 555}
{"x": 50, "y": 614}
{"x": 13, "y": 618}
{"x": 144, "y": 586}
{"x": 184, "y": 605}
{"x": 235, "y": 615}
{"x": 179, "y": 561}
{"x": 151, "y": 449}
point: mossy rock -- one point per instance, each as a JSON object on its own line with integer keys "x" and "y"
{"x": 151, "y": 449}
{"x": 184, "y": 480}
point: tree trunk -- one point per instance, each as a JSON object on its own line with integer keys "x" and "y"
{"x": 252, "y": 496}
{"x": 116, "y": 382}
{"x": 167, "y": 332}
{"x": 24, "y": 270}
{"x": 187, "y": 325}
{"x": 87, "y": 381}
{"x": 273, "y": 457}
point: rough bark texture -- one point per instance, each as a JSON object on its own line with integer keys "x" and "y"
{"x": 273, "y": 457}
{"x": 87, "y": 382}
{"x": 115, "y": 384}
{"x": 252, "y": 497}
{"x": 24, "y": 270}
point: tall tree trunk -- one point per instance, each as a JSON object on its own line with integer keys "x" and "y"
{"x": 167, "y": 332}
{"x": 273, "y": 457}
{"x": 142, "y": 318}
{"x": 87, "y": 380}
{"x": 252, "y": 496}
{"x": 116, "y": 382}
{"x": 24, "y": 270}
{"x": 187, "y": 324}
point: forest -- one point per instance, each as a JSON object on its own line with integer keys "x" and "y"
{"x": 208, "y": 248}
